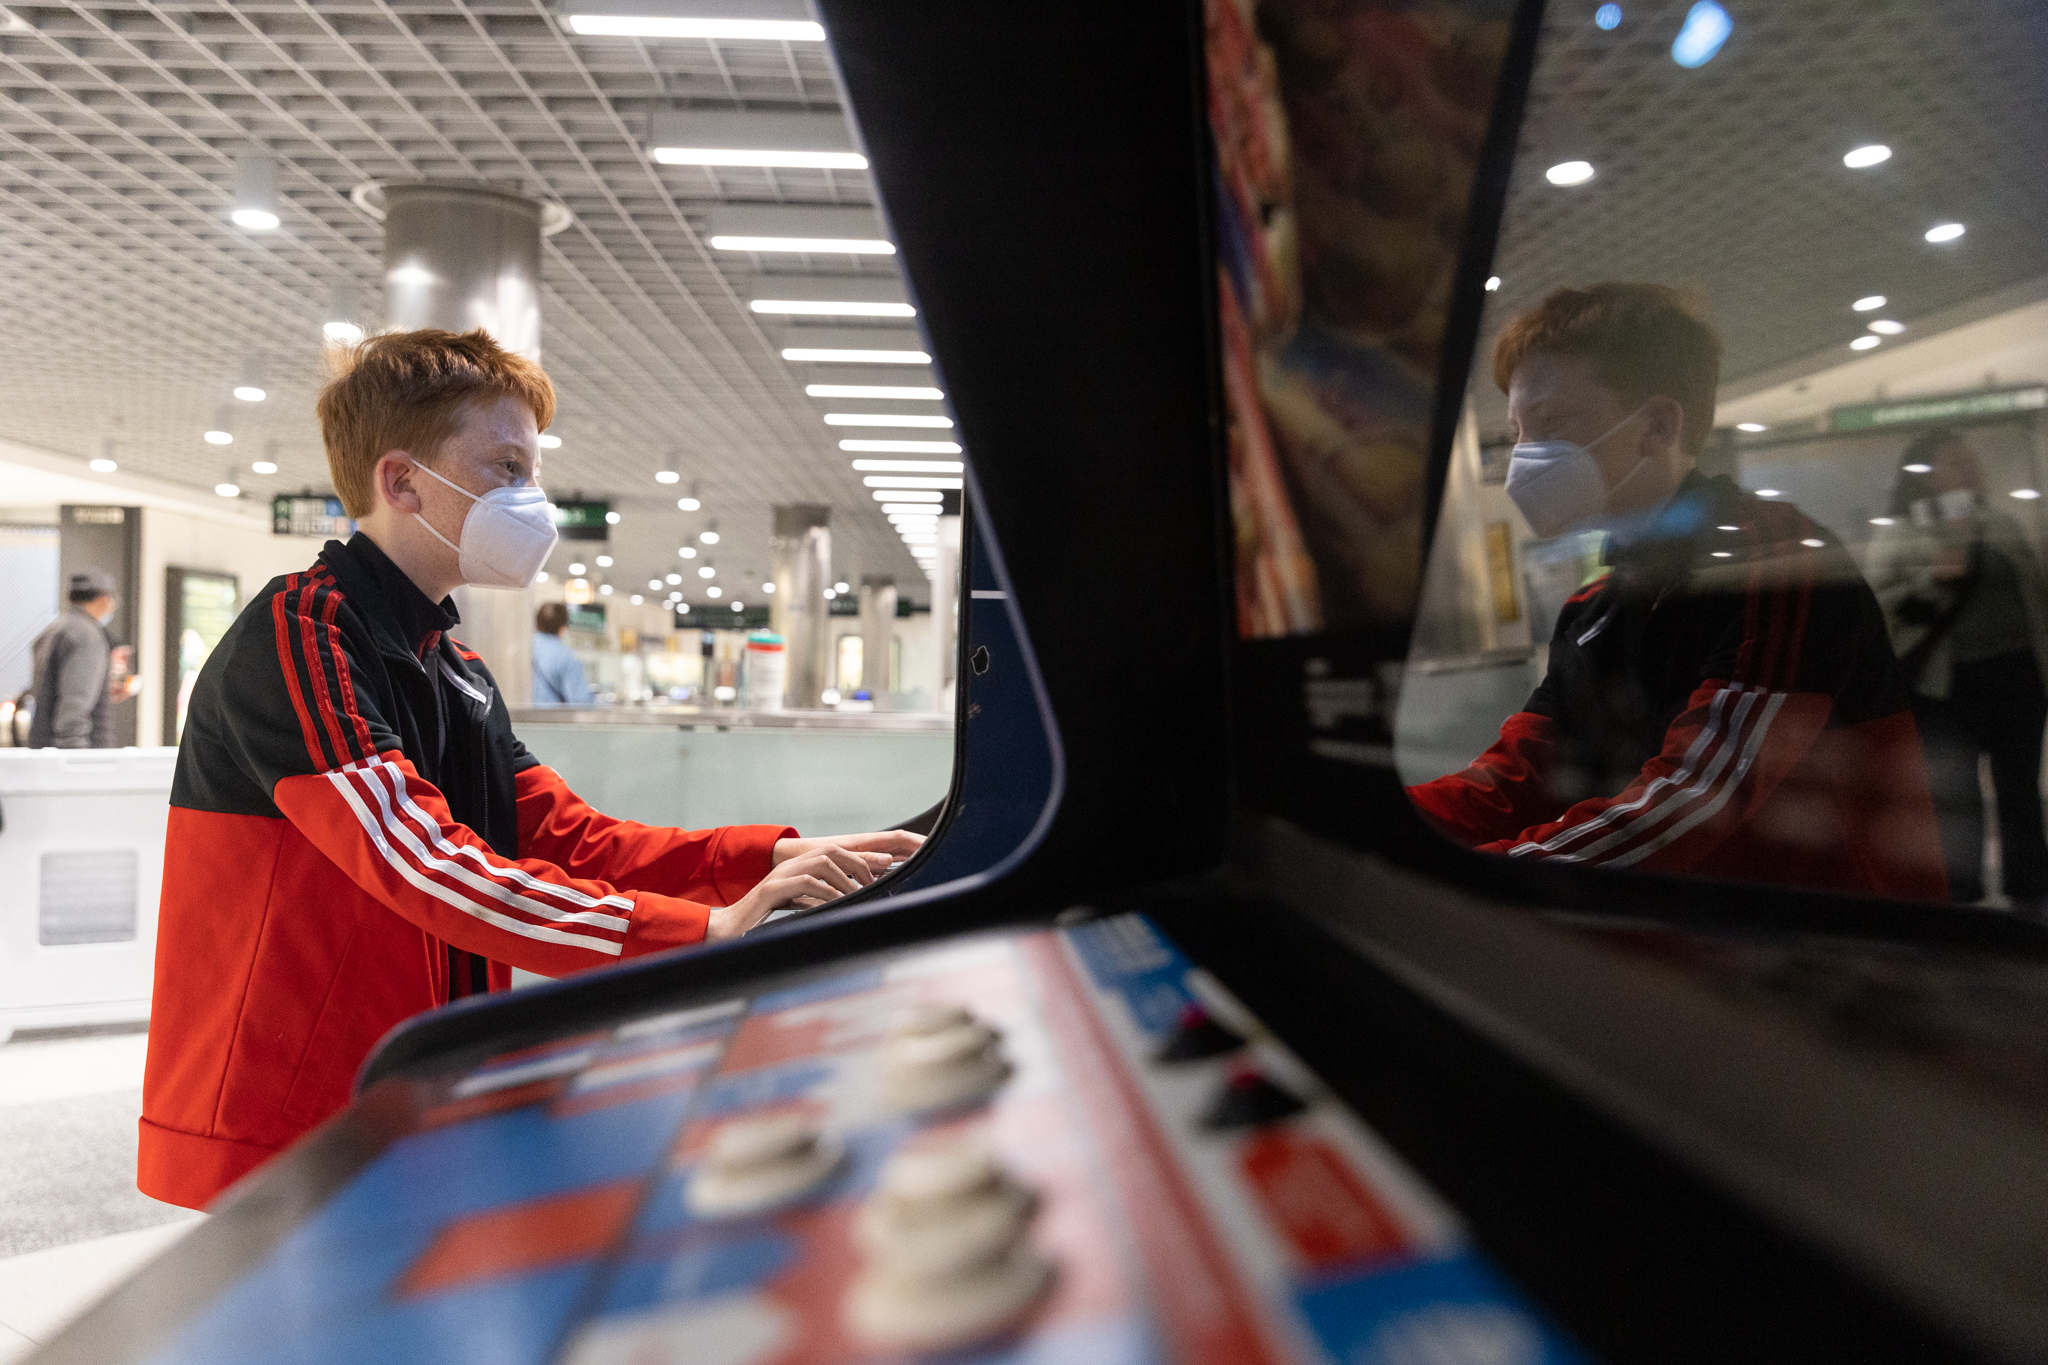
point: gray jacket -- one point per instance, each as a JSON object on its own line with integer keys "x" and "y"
{"x": 73, "y": 661}
{"x": 1899, "y": 564}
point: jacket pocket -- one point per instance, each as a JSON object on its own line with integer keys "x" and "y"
{"x": 326, "y": 1068}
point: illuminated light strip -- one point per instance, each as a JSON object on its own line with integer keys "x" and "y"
{"x": 871, "y": 391}
{"x": 817, "y": 246}
{"x": 832, "y": 355}
{"x": 825, "y": 308}
{"x": 907, "y": 495}
{"x": 638, "y": 26}
{"x": 739, "y": 156}
{"x": 885, "y": 419}
{"x": 909, "y": 481}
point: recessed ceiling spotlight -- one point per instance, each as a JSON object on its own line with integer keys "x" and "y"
{"x": 767, "y": 587}
{"x": 730, "y": 30}
{"x": 1872, "y": 154}
{"x": 842, "y": 587}
{"x": 1869, "y": 303}
{"x": 1569, "y": 173}
{"x": 1751, "y": 427}
{"x": 228, "y": 489}
{"x": 714, "y": 591}
{"x": 249, "y": 393}
{"x": 708, "y": 537}
{"x": 688, "y": 552}
{"x": 102, "y": 466}
{"x": 654, "y": 585}
{"x": 605, "y": 588}
{"x": 1864, "y": 343}
{"x": 688, "y": 504}
{"x": 347, "y": 333}
{"x": 541, "y": 577}
{"x": 667, "y": 476}
{"x": 548, "y": 442}
{"x": 611, "y": 518}
{"x": 1886, "y": 327}
{"x": 578, "y": 568}
{"x": 1945, "y": 232}
{"x": 604, "y": 561}
{"x": 255, "y": 194}
{"x": 831, "y": 593}
{"x": 262, "y": 467}
{"x": 218, "y": 437}
{"x": 739, "y": 606}
{"x": 636, "y": 599}
{"x": 673, "y": 578}
{"x": 707, "y": 571}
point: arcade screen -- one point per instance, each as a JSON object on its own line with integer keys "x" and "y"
{"x": 1636, "y": 448}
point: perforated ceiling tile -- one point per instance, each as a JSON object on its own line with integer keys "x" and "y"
{"x": 131, "y": 302}
{"x": 1728, "y": 178}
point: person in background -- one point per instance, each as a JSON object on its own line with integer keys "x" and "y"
{"x": 1967, "y": 603}
{"x": 557, "y": 673}
{"x": 1723, "y": 700}
{"x": 74, "y": 684}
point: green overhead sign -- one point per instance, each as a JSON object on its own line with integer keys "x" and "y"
{"x": 583, "y": 520}
{"x": 1956, "y": 407}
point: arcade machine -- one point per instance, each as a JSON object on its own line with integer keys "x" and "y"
{"x": 1184, "y": 1039}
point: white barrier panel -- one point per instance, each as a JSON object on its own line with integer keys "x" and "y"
{"x": 81, "y": 862}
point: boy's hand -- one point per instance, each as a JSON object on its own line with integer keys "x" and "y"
{"x": 811, "y": 872}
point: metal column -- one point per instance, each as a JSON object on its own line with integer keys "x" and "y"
{"x": 461, "y": 256}
{"x": 800, "y": 554}
{"x": 877, "y": 629}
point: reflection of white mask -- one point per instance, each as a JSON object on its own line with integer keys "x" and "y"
{"x": 505, "y": 538}
{"x": 1558, "y": 486}
{"x": 1958, "y": 504}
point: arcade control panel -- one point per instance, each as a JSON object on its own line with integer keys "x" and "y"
{"x": 1060, "y": 1145}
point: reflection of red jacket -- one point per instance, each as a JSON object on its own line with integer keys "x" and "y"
{"x": 356, "y": 836}
{"x": 1725, "y": 702}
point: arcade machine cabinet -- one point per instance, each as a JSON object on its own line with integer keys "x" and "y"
{"x": 1183, "y": 1039}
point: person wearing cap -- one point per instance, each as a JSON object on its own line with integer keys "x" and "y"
{"x": 74, "y": 670}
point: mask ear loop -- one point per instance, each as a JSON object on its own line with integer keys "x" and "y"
{"x": 421, "y": 517}
{"x": 1637, "y": 468}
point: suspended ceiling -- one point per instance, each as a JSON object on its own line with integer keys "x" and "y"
{"x": 131, "y": 302}
{"x": 1728, "y": 179}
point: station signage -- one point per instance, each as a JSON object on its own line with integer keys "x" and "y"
{"x": 583, "y": 520}
{"x": 1955, "y": 407}
{"x": 309, "y": 514}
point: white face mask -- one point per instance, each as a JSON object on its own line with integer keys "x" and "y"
{"x": 1958, "y": 504}
{"x": 505, "y": 538}
{"x": 1559, "y": 487}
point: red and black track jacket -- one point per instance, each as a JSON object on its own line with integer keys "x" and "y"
{"x": 1724, "y": 701}
{"x": 356, "y": 836}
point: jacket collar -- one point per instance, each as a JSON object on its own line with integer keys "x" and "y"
{"x": 405, "y": 620}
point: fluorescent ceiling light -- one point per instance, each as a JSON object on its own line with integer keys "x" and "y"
{"x": 910, "y": 481}
{"x": 831, "y": 355}
{"x": 1945, "y": 232}
{"x": 1870, "y": 155}
{"x": 741, "y": 30}
{"x": 817, "y": 246}
{"x": 902, "y": 508}
{"x": 909, "y": 495}
{"x": 1569, "y": 173}
{"x": 884, "y": 419}
{"x": 907, "y": 466}
{"x": 1869, "y": 303}
{"x": 737, "y": 156}
{"x": 872, "y": 391}
{"x": 1864, "y": 343}
{"x": 904, "y": 448}
{"x": 828, "y": 308}
{"x": 920, "y": 538}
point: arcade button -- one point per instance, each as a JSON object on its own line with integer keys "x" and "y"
{"x": 941, "y": 1057}
{"x": 947, "y": 1262}
{"x": 1249, "y": 1098}
{"x": 1197, "y": 1035}
{"x": 759, "y": 1163}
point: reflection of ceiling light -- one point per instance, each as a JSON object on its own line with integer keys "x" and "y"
{"x": 1492, "y": 283}
{"x": 650, "y": 26}
{"x": 1706, "y": 27}
{"x": 1608, "y": 16}
{"x": 1945, "y": 232}
{"x": 1569, "y": 173}
{"x": 249, "y": 393}
{"x": 872, "y": 391}
{"x": 2025, "y": 494}
{"x": 262, "y": 467}
{"x": 1886, "y": 327}
{"x": 736, "y": 156}
{"x": 1767, "y": 492}
{"x": 227, "y": 490}
{"x": 885, "y": 419}
{"x": 1870, "y": 155}
{"x": 1751, "y": 426}
{"x": 834, "y": 355}
{"x": 345, "y": 332}
{"x": 667, "y": 476}
{"x": 909, "y": 481}
{"x": 851, "y": 246}
{"x": 548, "y": 442}
{"x": 1812, "y": 544}
{"x": 826, "y": 308}
{"x": 1869, "y": 303}
{"x": 1917, "y": 468}
{"x": 103, "y": 466}
{"x": 219, "y": 438}
{"x": 1883, "y": 521}
{"x": 1864, "y": 343}
{"x": 909, "y": 495}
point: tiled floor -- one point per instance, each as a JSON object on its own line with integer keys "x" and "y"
{"x": 72, "y": 1224}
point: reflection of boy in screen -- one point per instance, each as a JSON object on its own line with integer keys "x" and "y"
{"x": 1723, "y": 700}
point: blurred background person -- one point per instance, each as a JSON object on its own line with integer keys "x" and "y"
{"x": 74, "y": 674}
{"x": 557, "y": 673}
{"x": 1967, "y": 603}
